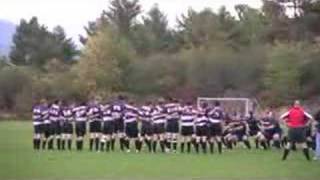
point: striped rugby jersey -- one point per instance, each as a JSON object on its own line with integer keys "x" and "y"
{"x": 54, "y": 113}
{"x": 67, "y": 114}
{"x": 172, "y": 111}
{"x": 80, "y": 113}
{"x": 158, "y": 115}
{"x": 201, "y": 118}
{"x": 40, "y": 114}
{"x": 106, "y": 112}
{"x": 188, "y": 116}
{"x": 117, "y": 109}
{"x": 145, "y": 113}
{"x": 215, "y": 115}
{"x": 94, "y": 113}
{"x": 131, "y": 114}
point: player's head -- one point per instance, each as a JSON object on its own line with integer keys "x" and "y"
{"x": 217, "y": 104}
{"x": 204, "y": 105}
{"x": 296, "y": 103}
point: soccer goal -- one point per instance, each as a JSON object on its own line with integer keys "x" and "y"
{"x": 230, "y": 104}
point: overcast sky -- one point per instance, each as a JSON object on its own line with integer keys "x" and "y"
{"x": 74, "y": 14}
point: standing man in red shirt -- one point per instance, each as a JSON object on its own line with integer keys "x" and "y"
{"x": 297, "y": 120}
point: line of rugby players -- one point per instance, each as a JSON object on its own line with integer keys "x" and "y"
{"x": 167, "y": 123}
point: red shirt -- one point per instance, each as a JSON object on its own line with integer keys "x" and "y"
{"x": 296, "y": 117}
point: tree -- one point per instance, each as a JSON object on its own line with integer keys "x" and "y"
{"x": 33, "y": 44}
{"x": 122, "y": 14}
{"x": 103, "y": 63}
{"x": 283, "y": 73}
{"x": 154, "y": 34}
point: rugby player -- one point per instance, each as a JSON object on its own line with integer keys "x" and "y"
{"x": 40, "y": 113}
{"x": 146, "y": 127}
{"x": 131, "y": 115}
{"x": 271, "y": 130}
{"x": 55, "y": 125}
{"x": 188, "y": 116}
{"x": 80, "y": 116}
{"x": 215, "y": 116}
{"x": 159, "y": 122}
{"x": 67, "y": 125}
{"x": 296, "y": 119}
{"x": 172, "y": 129}
{"x": 94, "y": 117}
{"x": 117, "y": 109}
{"x": 107, "y": 127}
{"x": 201, "y": 126}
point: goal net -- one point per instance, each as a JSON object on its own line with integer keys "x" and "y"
{"x": 231, "y": 105}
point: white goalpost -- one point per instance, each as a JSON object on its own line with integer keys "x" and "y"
{"x": 231, "y": 104}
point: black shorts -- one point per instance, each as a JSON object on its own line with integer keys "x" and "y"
{"x": 46, "y": 130}
{"x": 269, "y": 133}
{"x": 201, "y": 131}
{"x": 187, "y": 130}
{"x": 239, "y": 134}
{"x": 108, "y": 127}
{"x": 119, "y": 125}
{"x": 95, "y": 127}
{"x": 297, "y": 135}
{"x": 55, "y": 128}
{"x": 172, "y": 126}
{"x": 146, "y": 129}
{"x": 81, "y": 128}
{"x": 67, "y": 128}
{"x": 253, "y": 131}
{"x": 38, "y": 129}
{"x": 215, "y": 129}
{"x": 159, "y": 128}
{"x": 131, "y": 129}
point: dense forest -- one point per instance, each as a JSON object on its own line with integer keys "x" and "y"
{"x": 266, "y": 53}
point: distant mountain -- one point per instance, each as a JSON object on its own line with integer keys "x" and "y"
{"x": 7, "y": 29}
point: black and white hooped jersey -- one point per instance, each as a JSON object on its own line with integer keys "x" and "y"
{"x": 106, "y": 112}
{"x": 67, "y": 114}
{"x": 201, "y": 118}
{"x": 94, "y": 113}
{"x": 131, "y": 114}
{"x": 172, "y": 111}
{"x": 54, "y": 113}
{"x": 267, "y": 123}
{"x": 40, "y": 113}
{"x": 238, "y": 125}
{"x": 145, "y": 113}
{"x": 158, "y": 115}
{"x": 215, "y": 115}
{"x": 117, "y": 109}
{"x": 80, "y": 113}
{"x": 188, "y": 116}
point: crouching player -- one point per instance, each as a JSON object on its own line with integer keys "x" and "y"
{"x": 94, "y": 115}
{"x": 271, "y": 130}
{"x": 107, "y": 127}
{"x": 239, "y": 132}
{"x": 254, "y": 130}
{"x": 80, "y": 116}
{"x": 187, "y": 126}
{"x": 131, "y": 116}
{"x": 40, "y": 113}
{"x": 201, "y": 123}
{"x": 67, "y": 125}
{"x": 146, "y": 127}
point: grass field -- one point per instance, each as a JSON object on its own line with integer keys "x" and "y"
{"x": 19, "y": 161}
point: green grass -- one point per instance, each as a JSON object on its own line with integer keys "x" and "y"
{"x": 19, "y": 161}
